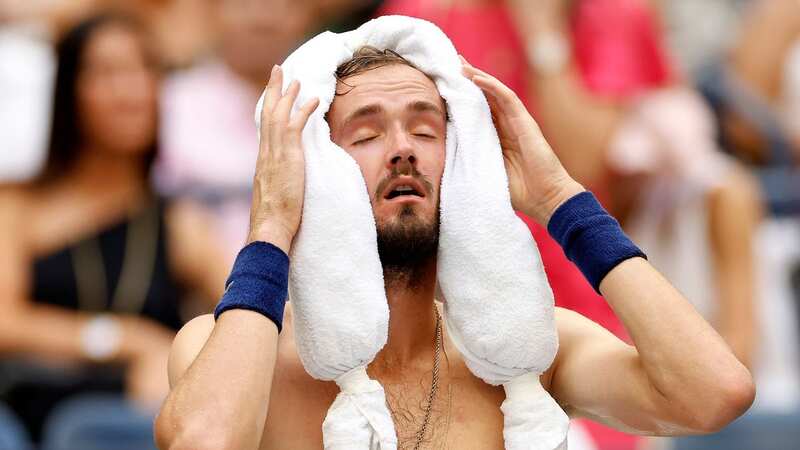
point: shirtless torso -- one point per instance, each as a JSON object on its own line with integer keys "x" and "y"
{"x": 465, "y": 413}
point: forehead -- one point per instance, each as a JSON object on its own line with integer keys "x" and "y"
{"x": 111, "y": 42}
{"x": 387, "y": 85}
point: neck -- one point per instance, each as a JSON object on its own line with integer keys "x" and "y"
{"x": 412, "y": 320}
{"x": 108, "y": 172}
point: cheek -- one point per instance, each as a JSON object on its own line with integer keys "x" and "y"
{"x": 431, "y": 163}
{"x": 94, "y": 109}
{"x": 371, "y": 165}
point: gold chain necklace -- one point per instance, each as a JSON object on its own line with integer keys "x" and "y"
{"x": 434, "y": 381}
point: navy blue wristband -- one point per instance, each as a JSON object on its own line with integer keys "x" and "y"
{"x": 590, "y": 237}
{"x": 258, "y": 282}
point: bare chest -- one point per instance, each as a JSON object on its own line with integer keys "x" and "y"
{"x": 465, "y": 412}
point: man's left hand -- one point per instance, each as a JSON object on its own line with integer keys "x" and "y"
{"x": 538, "y": 182}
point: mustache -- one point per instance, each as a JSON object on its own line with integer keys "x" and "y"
{"x": 406, "y": 169}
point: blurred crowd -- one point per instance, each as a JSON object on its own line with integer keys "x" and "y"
{"x": 127, "y": 150}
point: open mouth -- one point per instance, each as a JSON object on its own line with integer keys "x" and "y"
{"x": 403, "y": 190}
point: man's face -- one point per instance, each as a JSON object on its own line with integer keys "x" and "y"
{"x": 392, "y": 122}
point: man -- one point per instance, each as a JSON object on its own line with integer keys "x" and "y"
{"x": 238, "y": 384}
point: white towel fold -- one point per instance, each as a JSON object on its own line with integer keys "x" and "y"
{"x": 498, "y": 305}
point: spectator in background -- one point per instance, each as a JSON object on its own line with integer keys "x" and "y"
{"x": 92, "y": 265}
{"x": 183, "y": 29}
{"x": 699, "y": 31}
{"x": 27, "y": 63}
{"x": 592, "y": 66}
{"x": 208, "y": 137}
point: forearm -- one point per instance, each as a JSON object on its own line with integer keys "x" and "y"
{"x": 680, "y": 377}
{"x": 739, "y": 332}
{"x": 577, "y": 123}
{"x": 685, "y": 360}
{"x": 221, "y": 367}
{"x": 224, "y": 394}
{"x": 579, "y": 127}
{"x": 734, "y": 212}
{"x": 57, "y": 333}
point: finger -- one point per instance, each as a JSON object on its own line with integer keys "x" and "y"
{"x": 488, "y": 81}
{"x": 273, "y": 93}
{"x": 473, "y": 72}
{"x": 491, "y": 98}
{"x": 505, "y": 97}
{"x": 271, "y": 96}
{"x": 284, "y": 107}
{"x": 280, "y": 116}
{"x": 298, "y": 122}
{"x": 468, "y": 69}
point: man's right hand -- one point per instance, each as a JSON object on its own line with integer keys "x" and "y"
{"x": 280, "y": 171}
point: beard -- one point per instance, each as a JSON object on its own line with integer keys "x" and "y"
{"x": 406, "y": 244}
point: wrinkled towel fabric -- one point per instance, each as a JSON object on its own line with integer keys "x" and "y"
{"x": 498, "y": 309}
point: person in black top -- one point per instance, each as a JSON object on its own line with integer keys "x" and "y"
{"x": 93, "y": 266}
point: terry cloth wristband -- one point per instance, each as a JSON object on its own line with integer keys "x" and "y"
{"x": 258, "y": 282}
{"x": 590, "y": 237}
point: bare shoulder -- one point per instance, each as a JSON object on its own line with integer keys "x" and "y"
{"x": 570, "y": 323}
{"x": 579, "y": 335}
{"x": 193, "y": 336}
{"x": 14, "y": 207}
{"x": 15, "y": 245}
{"x": 187, "y": 345}
{"x": 586, "y": 351}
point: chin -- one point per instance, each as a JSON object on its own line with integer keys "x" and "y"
{"x": 407, "y": 216}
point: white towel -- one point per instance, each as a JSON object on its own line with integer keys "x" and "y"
{"x": 498, "y": 305}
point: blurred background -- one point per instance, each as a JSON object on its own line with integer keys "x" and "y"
{"x": 127, "y": 149}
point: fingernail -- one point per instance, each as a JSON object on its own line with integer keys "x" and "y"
{"x": 274, "y": 68}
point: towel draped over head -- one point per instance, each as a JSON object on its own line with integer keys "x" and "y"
{"x": 498, "y": 306}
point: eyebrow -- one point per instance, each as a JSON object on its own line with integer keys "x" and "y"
{"x": 419, "y": 106}
{"x": 424, "y": 106}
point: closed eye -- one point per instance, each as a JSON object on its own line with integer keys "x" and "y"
{"x": 423, "y": 135}
{"x": 364, "y": 141}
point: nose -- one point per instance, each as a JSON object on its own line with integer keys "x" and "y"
{"x": 402, "y": 155}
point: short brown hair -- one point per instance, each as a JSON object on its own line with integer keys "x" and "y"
{"x": 367, "y": 58}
